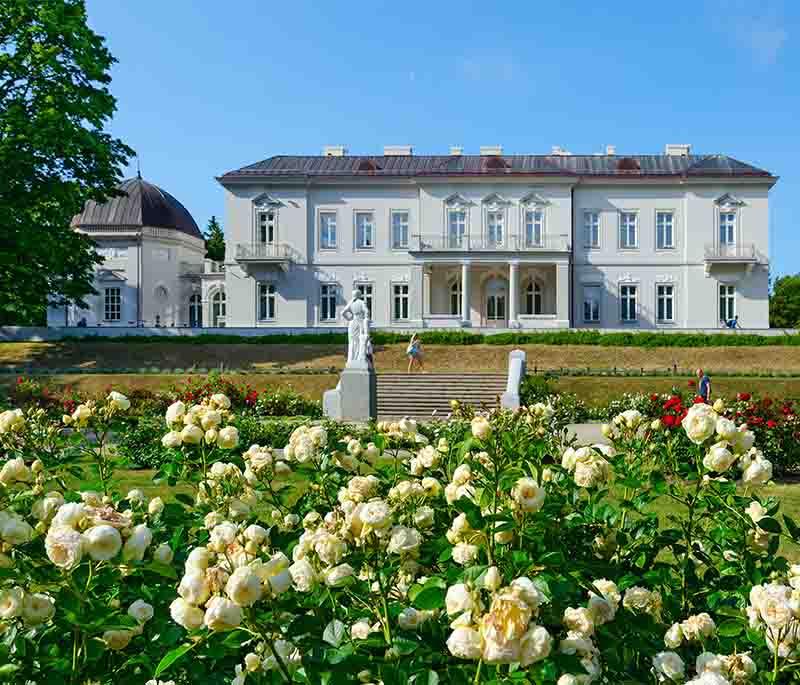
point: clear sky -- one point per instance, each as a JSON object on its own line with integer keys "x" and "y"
{"x": 206, "y": 86}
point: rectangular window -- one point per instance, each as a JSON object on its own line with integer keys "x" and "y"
{"x": 627, "y": 299}
{"x": 495, "y": 228}
{"x": 266, "y": 301}
{"x": 534, "y": 227}
{"x": 665, "y": 238}
{"x": 628, "y": 230}
{"x": 112, "y": 304}
{"x": 591, "y": 228}
{"x": 366, "y": 290}
{"x": 267, "y": 222}
{"x": 327, "y": 302}
{"x": 727, "y": 302}
{"x": 665, "y": 303}
{"x": 399, "y": 302}
{"x": 365, "y": 231}
{"x": 113, "y": 252}
{"x": 456, "y": 228}
{"x": 399, "y": 230}
{"x": 455, "y": 297}
{"x": 727, "y": 228}
{"x": 591, "y": 303}
{"x": 327, "y": 230}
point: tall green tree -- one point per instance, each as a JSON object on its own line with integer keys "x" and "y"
{"x": 54, "y": 153}
{"x": 215, "y": 240}
{"x": 784, "y": 303}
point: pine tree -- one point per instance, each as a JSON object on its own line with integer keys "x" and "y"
{"x": 215, "y": 240}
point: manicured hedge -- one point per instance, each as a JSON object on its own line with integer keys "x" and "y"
{"x": 459, "y": 337}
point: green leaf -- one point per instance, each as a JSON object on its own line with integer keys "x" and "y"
{"x": 404, "y": 646}
{"x": 769, "y": 524}
{"x": 334, "y": 633}
{"x": 471, "y": 510}
{"x": 185, "y": 499}
{"x": 170, "y": 658}
{"x": 162, "y": 569}
{"x": 730, "y": 628}
{"x": 791, "y": 526}
{"x": 430, "y": 598}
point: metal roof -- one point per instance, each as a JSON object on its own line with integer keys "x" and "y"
{"x": 140, "y": 204}
{"x": 473, "y": 165}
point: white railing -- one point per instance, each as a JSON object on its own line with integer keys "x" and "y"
{"x": 262, "y": 251}
{"x": 739, "y": 252}
{"x": 467, "y": 243}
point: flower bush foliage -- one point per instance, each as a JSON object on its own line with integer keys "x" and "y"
{"x": 476, "y": 550}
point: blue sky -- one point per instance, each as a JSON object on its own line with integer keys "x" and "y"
{"x": 205, "y": 87}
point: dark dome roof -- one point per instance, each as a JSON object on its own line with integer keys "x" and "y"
{"x": 141, "y": 204}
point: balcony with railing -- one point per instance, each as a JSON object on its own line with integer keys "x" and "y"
{"x": 275, "y": 253}
{"x": 740, "y": 252}
{"x": 466, "y": 243}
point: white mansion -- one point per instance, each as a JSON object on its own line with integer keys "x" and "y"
{"x": 492, "y": 240}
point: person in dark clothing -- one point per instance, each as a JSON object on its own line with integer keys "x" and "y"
{"x": 703, "y": 385}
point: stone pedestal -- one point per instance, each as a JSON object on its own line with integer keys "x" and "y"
{"x": 355, "y": 397}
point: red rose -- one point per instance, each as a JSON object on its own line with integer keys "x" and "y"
{"x": 771, "y": 423}
{"x": 767, "y": 402}
{"x": 669, "y": 420}
{"x": 699, "y": 400}
{"x": 743, "y": 396}
{"x": 692, "y": 384}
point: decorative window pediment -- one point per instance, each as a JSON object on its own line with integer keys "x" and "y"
{"x": 265, "y": 201}
{"x": 533, "y": 198}
{"x": 495, "y": 200}
{"x": 106, "y": 275}
{"x": 457, "y": 200}
{"x": 728, "y": 200}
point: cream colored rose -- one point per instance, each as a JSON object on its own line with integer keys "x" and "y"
{"x": 698, "y": 627}
{"x": 175, "y": 413}
{"x": 458, "y": 599}
{"x": 464, "y": 554}
{"x": 719, "y": 458}
{"x": 15, "y": 531}
{"x": 11, "y": 420}
{"x": 411, "y": 619}
{"x": 222, "y": 614}
{"x": 535, "y": 645}
{"x": 117, "y": 640}
{"x": 192, "y": 435}
{"x": 136, "y": 545}
{"x": 579, "y": 620}
{"x": 102, "y": 542}
{"x": 172, "y": 439}
{"x": 481, "y": 428}
{"x": 163, "y": 554}
{"x": 140, "y": 611}
{"x": 492, "y": 580}
{"x": 118, "y": 401}
{"x": 424, "y": 517}
{"x": 404, "y": 540}
{"x": 527, "y": 495}
{"x": 198, "y": 560}
{"x": 668, "y": 666}
{"x": 82, "y": 414}
{"x": 228, "y": 437}
{"x": 631, "y": 418}
{"x": 700, "y": 423}
{"x": 44, "y": 509}
{"x": 185, "y": 614}
{"x": 194, "y": 587}
{"x": 360, "y": 630}
{"x": 338, "y": 575}
{"x": 70, "y": 514}
{"x": 64, "y": 546}
{"x": 758, "y": 472}
{"x": 244, "y": 587}
{"x": 673, "y": 638}
{"x": 377, "y": 514}
{"x": 303, "y": 575}
{"x": 15, "y": 470}
{"x": 37, "y": 608}
{"x": 155, "y": 506}
{"x": 726, "y": 429}
{"x": 222, "y": 535}
{"x": 221, "y": 400}
{"x": 11, "y": 602}
{"x": 465, "y": 643}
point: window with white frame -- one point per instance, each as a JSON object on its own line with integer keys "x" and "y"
{"x": 627, "y": 301}
{"x": 267, "y": 225}
{"x": 665, "y": 303}
{"x": 628, "y": 230}
{"x": 366, "y": 292}
{"x": 327, "y": 302}
{"x": 266, "y": 301}
{"x": 399, "y": 302}
{"x": 591, "y": 229}
{"x": 327, "y": 231}
{"x": 495, "y": 227}
{"x": 591, "y": 303}
{"x": 113, "y": 252}
{"x": 195, "y": 311}
{"x": 665, "y": 235}
{"x": 399, "y": 230}
{"x": 727, "y": 302}
{"x": 727, "y": 228}
{"x": 456, "y": 227}
{"x": 455, "y": 297}
{"x": 112, "y": 304}
{"x": 218, "y": 308}
{"x": 533, "y": 298}
{"x": 534, "y": 227}
{"x": 365, "y": 230}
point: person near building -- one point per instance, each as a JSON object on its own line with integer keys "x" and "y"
{"x": 703, "y": 385}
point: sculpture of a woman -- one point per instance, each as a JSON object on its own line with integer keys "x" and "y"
{"x": 357, "y": 316}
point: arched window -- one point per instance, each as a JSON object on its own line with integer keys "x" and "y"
{"x": 218, "y": 309}
{"x": 533, "y": 298}
{"x": 195, "y": 311}
{"x": 455, "y": 297}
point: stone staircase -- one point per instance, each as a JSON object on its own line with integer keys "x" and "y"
{"x": 418, "y": 395}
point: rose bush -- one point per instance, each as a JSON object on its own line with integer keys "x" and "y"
{"x": 473, "y": 550}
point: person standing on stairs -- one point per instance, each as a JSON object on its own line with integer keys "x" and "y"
{"x": 414, "y": 353}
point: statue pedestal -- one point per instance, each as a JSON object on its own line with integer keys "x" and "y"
{"x": 355, "y": 397}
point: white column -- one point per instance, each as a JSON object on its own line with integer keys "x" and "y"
{"x": 466, "y": 314}
{"x": 416, "y": 294}
{"x": 426, "y": 287}
{"x": 562, "y": 295}
{"x": 513, "y": 293}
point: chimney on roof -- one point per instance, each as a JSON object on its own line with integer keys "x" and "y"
{"x": 611, "y": 150}
{"x": 456, "y": 150}
{"x": 491, "y": 150}
{"x": 559, "y": 151}
{"x": 676, "y": 150}
{"x": 334, "y": 151}
{"x": 397, "y": 151}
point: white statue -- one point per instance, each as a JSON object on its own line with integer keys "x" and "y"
{"x": 357, "y": 314}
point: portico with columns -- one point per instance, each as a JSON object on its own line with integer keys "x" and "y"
{"x": 484, "y": 292}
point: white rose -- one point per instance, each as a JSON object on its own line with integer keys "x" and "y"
{"x": 11, "y": 603}
{"x": 155, "y": 507}
{"x": 527, "y": 495}
{"x": 117, "y": 639}
{"x": 303, "y": 575}
{"x": 222, "y": 614}
{"x": 535, "y": 645}
{"x": 194, "y": 587}
{"x": 481, "y": 428}
{"x": 492, "y": 580}
{"x": 186, "y": 615}
{"x": 244, "y": 587}
{"x": 376, "y": 515}
{"x": 140, "y": 611}
{"x": 15, "y": 470}
{"x": 255, "y": 533}
{"x": 338, "y": 575}
{"x": 102, "y": 542}
{"x": 410, "y": 619}
{"x": 37, "y": 608}
{"x": 136, "y": 545}
{"x": 719, "y": 458}
{"x": 172, "y": 439}
{"x": 698, "y": 627}
{"x": 228, "y": 437}
{"x": 579, "y": 620}
{"x": 69, "y": 514}
{"x": 632, "y": 418}
{"x": 222, "y": 535}
{"x": 465, "y": 643}
{"x": 221, "y": 400}
{"x": 708, "y": 663}
{"x": 64, "y": 546}
{"x": 11, "y": 420}
{"x": 163, "y": 554}
{"x": 175, "y": 413}
{"x": 119, "y": 401}
{"x": 668, "y": 666}
{"x": 210, "y": 420}
{"x": 198, "y": 560}
{"x": 82, "y": 414}
{"x": 674, "y": 636}
{"x": 16, "y": 531}
{"x": 458, "y": 599}
{"x": 44, "y": 509}
{"x": 758, "y": 472}
{"x": 464, "y": 553}
{"x": 360, "y": 630}
{"x": 726, "y": 429}
{"x": 700, "y": 423}
{"x": 192, "y": 435}
{"x": 404, "y": 541}
{"x": 462, "y": 474}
